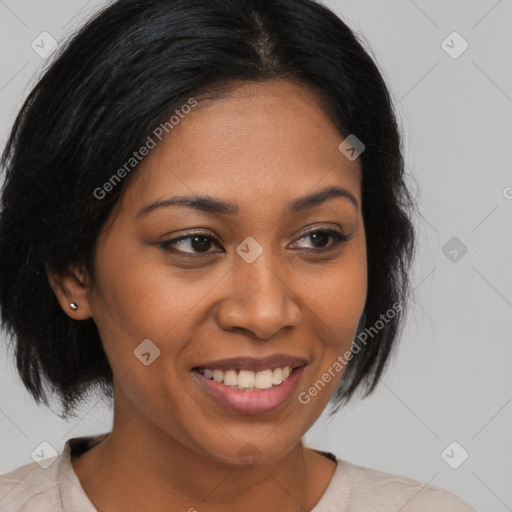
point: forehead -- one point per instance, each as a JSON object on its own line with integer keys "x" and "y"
{"x": 258, "y": 140}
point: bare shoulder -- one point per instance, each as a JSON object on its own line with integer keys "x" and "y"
{"x": 378, "y": 491}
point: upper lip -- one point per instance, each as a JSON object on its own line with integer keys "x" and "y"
{"x": 254, "y": 364}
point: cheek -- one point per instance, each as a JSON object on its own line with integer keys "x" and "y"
{"x": 344, "y": 304}
{"x": 339, "y": 301}
{"x": 339, "y": 296}
{"x": 147, "y": 296}
{"x": 338, "y": 307}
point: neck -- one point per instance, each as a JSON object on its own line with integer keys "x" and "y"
{"x": 138, "y": 464}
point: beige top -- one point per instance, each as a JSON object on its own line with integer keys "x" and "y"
{"x": 353, "y": 488}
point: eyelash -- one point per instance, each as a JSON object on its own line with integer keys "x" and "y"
{"x": 337, "y": 236}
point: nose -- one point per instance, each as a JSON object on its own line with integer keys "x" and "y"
{"x": 260, "y": 299}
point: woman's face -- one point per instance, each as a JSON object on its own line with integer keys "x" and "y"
{"x": 260, "y": 279}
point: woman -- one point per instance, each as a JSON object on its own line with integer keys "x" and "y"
{"x": 204, "y": 209}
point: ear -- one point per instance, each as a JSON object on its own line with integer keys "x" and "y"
{"x": 71, "y": 286}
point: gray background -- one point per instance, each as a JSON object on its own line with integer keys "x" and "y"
{"x": 451, "y": 380}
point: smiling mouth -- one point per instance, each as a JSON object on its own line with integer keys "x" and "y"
{"x": 247, "y": 380}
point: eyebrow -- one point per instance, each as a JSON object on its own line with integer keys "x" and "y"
{"x": 212, "y": 205}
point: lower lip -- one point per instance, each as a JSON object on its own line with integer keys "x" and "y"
{"x": 251, "y": 402}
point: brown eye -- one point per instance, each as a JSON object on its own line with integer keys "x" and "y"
{"x": 200, "y": 243}
{"x": 320, "y": 239}
{"x": 190, "y": 244}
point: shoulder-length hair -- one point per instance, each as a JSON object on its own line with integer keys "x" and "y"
{"x": 121, "y": 76}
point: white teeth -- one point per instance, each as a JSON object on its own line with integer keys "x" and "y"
{"x": 278, "y": 376}
{"x": 248, "y": 380}
{"x": 230, "y": 378}
{"x": 264, "y": 379}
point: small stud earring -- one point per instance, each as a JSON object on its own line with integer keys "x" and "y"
{"x": 73, "y": 306}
